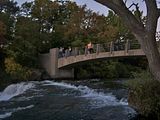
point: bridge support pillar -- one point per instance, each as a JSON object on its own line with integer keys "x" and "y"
{"x": 54, "y": 71}
{"x": 50, "y": 63}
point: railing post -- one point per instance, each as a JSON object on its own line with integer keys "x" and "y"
{"x": 158, "y": 44}
{"x": 127, "y": 46}
{"x": 111, "y": 47}
{"x": 66, "y": 53}
{"x": 85, "y": 50}
{"x": 97, "y": 48}
{"x": 79, "y": 52}
{"x": 75, "y": 51}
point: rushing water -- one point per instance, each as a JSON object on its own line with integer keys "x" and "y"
{"x": 50, "y": 100}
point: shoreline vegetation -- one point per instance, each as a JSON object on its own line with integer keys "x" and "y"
{"x": 144, "y": 96}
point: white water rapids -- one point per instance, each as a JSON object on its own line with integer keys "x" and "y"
{"x": 98, "y": 99}
{"x": 5, "y": 115}
{"x": 15, "y": 90}
{"x": 95, "y": 98}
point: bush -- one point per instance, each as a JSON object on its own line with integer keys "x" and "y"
{"x": 82, "y": 73}
{"x": 15, "y": 70}
{"x": 144, "y": 95}
{"x": 105, "y": 69}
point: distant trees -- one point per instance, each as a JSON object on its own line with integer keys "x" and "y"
{"x": 8, "y": 11}
{"x": 2, "y": 33}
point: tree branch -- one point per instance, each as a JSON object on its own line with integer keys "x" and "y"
{"x": 158, "y": 12}
{"x": 120, "y": 8}
{"x": 133, "y": 4}
{"x": 125, "y": 2}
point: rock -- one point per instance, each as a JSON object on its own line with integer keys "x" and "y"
{"x": 35, "y": 75}
{"x": 45, "y": 76}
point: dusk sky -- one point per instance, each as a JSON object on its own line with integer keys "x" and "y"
{"x": 91, "y": 4}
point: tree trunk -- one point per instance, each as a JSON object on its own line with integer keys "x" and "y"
{"x": 150, "y": 48}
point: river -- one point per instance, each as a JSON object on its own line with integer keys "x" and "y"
{"x": 65, "y": 100}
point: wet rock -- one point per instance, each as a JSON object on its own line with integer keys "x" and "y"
{"x": 38, "y": 75}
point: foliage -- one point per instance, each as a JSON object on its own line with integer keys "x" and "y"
{"x": 145, "y": 95}
{"x": 82, "y": 73}
{"x": 25, "y": 46}
{"x": 123, "y": 33}
{"x": 2, "y": 28}
{"x": 8, "y": 10}
{"x": 2, "y": 33}
{"x": 106, "y": 69}
{"x": 16, "y": 70}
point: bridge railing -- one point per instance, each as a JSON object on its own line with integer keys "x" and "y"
{"x": 104, "y": 47}
{"x": 97, "y": 48}
{"x": 134, "y": 45}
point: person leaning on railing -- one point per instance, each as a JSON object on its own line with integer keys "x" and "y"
{"x": 90, "y": 47}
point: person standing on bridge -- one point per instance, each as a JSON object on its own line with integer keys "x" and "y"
{"x": 70, "y": 51}
{"x": 90, "y": 47}
{"x": 60, "y": 52}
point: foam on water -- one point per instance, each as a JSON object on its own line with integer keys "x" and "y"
{"x": 61, "y": 84}
{"x": 8, "y": 114}
{"x": 15, "y": 90}
{"x": 22, "y": 108}
{"x": 98, "y": 99}
{"x": 5, "y": 115}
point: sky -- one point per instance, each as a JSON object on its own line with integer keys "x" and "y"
{"x": 91, "y": 4}
{"x": 96, "y": 7}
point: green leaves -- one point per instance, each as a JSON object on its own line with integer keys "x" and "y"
{"x": 16, "y": 70}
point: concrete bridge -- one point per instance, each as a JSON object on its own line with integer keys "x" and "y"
{"x": 62, "y": 66}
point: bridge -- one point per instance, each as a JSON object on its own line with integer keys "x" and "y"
{"x": 61, "y": 66}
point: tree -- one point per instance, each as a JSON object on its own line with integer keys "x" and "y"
{"x": 2, "y": 34}
{"x": 115, "y": 21}
{"x": 8, "y": 10}
{"x": 145, "y": 34}
{"x": 26, "y": 44}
